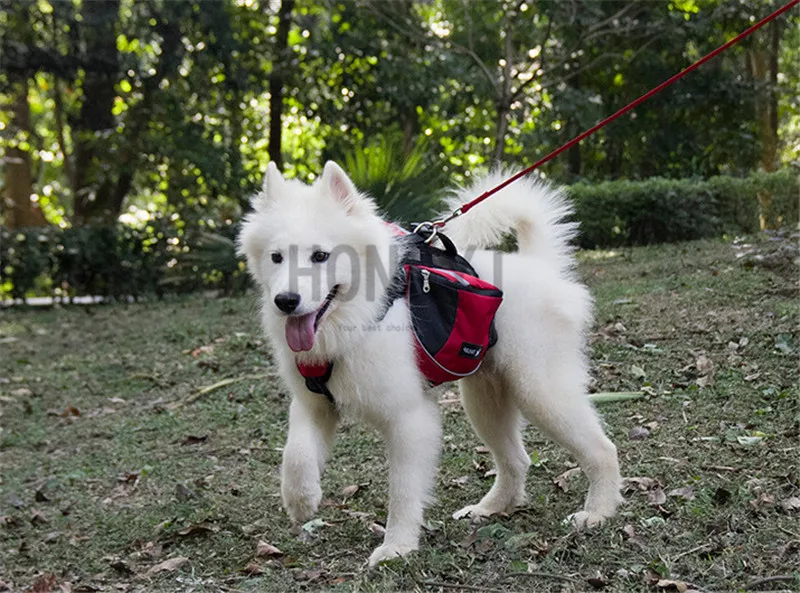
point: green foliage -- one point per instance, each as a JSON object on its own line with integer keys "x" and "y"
{"x": 210, "y": 261}
{"x": 166, "y": 103}
{"x": 160, "y": 257}
{"x": 664, "y": 210}
{"x": 407, "y": 187}
{"x": 25, "y": 257}
{"x": 117, "y": 261}
{"x": 163, "y": 107}
{"x": 783, "y": 189}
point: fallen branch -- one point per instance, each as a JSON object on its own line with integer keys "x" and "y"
{"x": 792, "y": 533}
{"x": 145, "y": 377}
{"x": 766, "y": 580}
{"x": 547, "y": 575}
{"x": 458, "y": 586}
{"x": 206, "y": 390}
{"x": 720, "y": 468}
{"x": 701, "y": 548}
{"x": 607, "y": 397}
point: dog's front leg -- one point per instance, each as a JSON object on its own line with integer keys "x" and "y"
{"x": 412, "y": 443}
{"x": 312, "y": 426}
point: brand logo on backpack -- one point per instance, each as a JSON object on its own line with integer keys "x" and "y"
{"x": 470, "y": 350}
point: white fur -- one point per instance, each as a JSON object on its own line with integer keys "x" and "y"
{"x": 537, "y": 370}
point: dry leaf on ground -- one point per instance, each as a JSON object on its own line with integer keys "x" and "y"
{"x": 265, "y": 550}
{"x": 639, "y": 483}
{"x": 656, "y": 497}
{"x": 671, "y": 585}
{"x": 705, "y": 370}
{"x": 38, "y": 517}
{"x": 686, "y": 492}
{"x": 198, "y": 529}
{"x": 350, "y": 490}
{"x": 633, "y": 538}
{"x": 763, "y": 499}
{"x": 253, "y": 569}
{"x": 45, "y": 583}
{"x": 168, "y": 565}
{"x": 562, "y": 480}
{"x": 791, "y": 504}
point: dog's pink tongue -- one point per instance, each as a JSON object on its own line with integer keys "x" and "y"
{"x": 300, "y": 332}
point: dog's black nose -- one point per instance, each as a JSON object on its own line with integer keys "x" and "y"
{"x": 287, "y": 301}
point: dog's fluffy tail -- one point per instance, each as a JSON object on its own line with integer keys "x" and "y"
{"x": 534, "y": 210}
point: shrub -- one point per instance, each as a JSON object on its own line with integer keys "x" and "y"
{"x": 117, "y": 261}
{"x": 661, "y": 210}
{"x": 26, "y": 257}
{"x": 783, "y": 188}
{"x": 211, "y": 261}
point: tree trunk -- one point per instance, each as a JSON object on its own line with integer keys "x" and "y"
{"x": 237, "y": 174}
{"x": 573, "y": 128}
{"x": 234, "y": 96}
{"x": 574, "y": 152}
{"x": 58, "y": 112}
{"x": 764, "y": 68}
{"x": 615, "y": 153}
{"x": 769, "y": 149}
{"x": 504, "y": 99}
{"x": 276, "y": 82}
{"x": 19, "y": 210}
{"x": 501, "y": 128}
{"x": 16, "y": 203}
{"x": 96, "y": 199}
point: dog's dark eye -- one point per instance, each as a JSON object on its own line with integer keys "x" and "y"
{"x": 277, "y": 258}
{"x": 319, "y": 257}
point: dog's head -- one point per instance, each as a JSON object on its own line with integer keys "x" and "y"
{"x": 317, "y": 252}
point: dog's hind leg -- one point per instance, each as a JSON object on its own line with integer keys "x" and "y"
{"x": 312, "y": 427}
{"x": 412, "y": 444}
{"x": 563, "y": 412}
{"x": 497, "y": 421}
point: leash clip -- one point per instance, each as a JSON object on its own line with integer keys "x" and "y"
{"x": 443, "y": 221}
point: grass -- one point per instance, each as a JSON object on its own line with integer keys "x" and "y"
{"x": 113, "y": 462}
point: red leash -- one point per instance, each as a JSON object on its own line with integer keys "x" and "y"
{"x": 469, "y": 205}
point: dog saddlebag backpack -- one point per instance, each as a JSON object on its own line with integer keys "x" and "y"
{"x": 452, "y": 310}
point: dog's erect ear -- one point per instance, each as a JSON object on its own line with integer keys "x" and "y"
{"x": 336, "y": 181}
{"x": 272, "y": 179}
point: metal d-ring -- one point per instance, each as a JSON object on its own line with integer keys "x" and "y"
{"x": 438, "y": 224}
{"x": 428, "y": 226}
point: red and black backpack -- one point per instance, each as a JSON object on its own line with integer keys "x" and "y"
{"x": 452, "y": 311}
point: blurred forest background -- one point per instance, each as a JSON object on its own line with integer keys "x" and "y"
{"x": 133, "y": 133}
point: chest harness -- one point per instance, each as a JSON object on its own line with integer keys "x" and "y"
{"x": 452, "y": 311}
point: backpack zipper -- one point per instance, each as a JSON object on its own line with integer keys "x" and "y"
{"x": 426, "y": 281}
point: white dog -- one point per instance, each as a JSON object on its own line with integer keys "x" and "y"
{"x": 315, "y": 309}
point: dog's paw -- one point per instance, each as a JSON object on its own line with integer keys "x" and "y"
{"x": 475, "y": 512}
{"x": 301, "y": 504}
{"x": 585, "y": 520}
{"x": 386, "y": 552}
